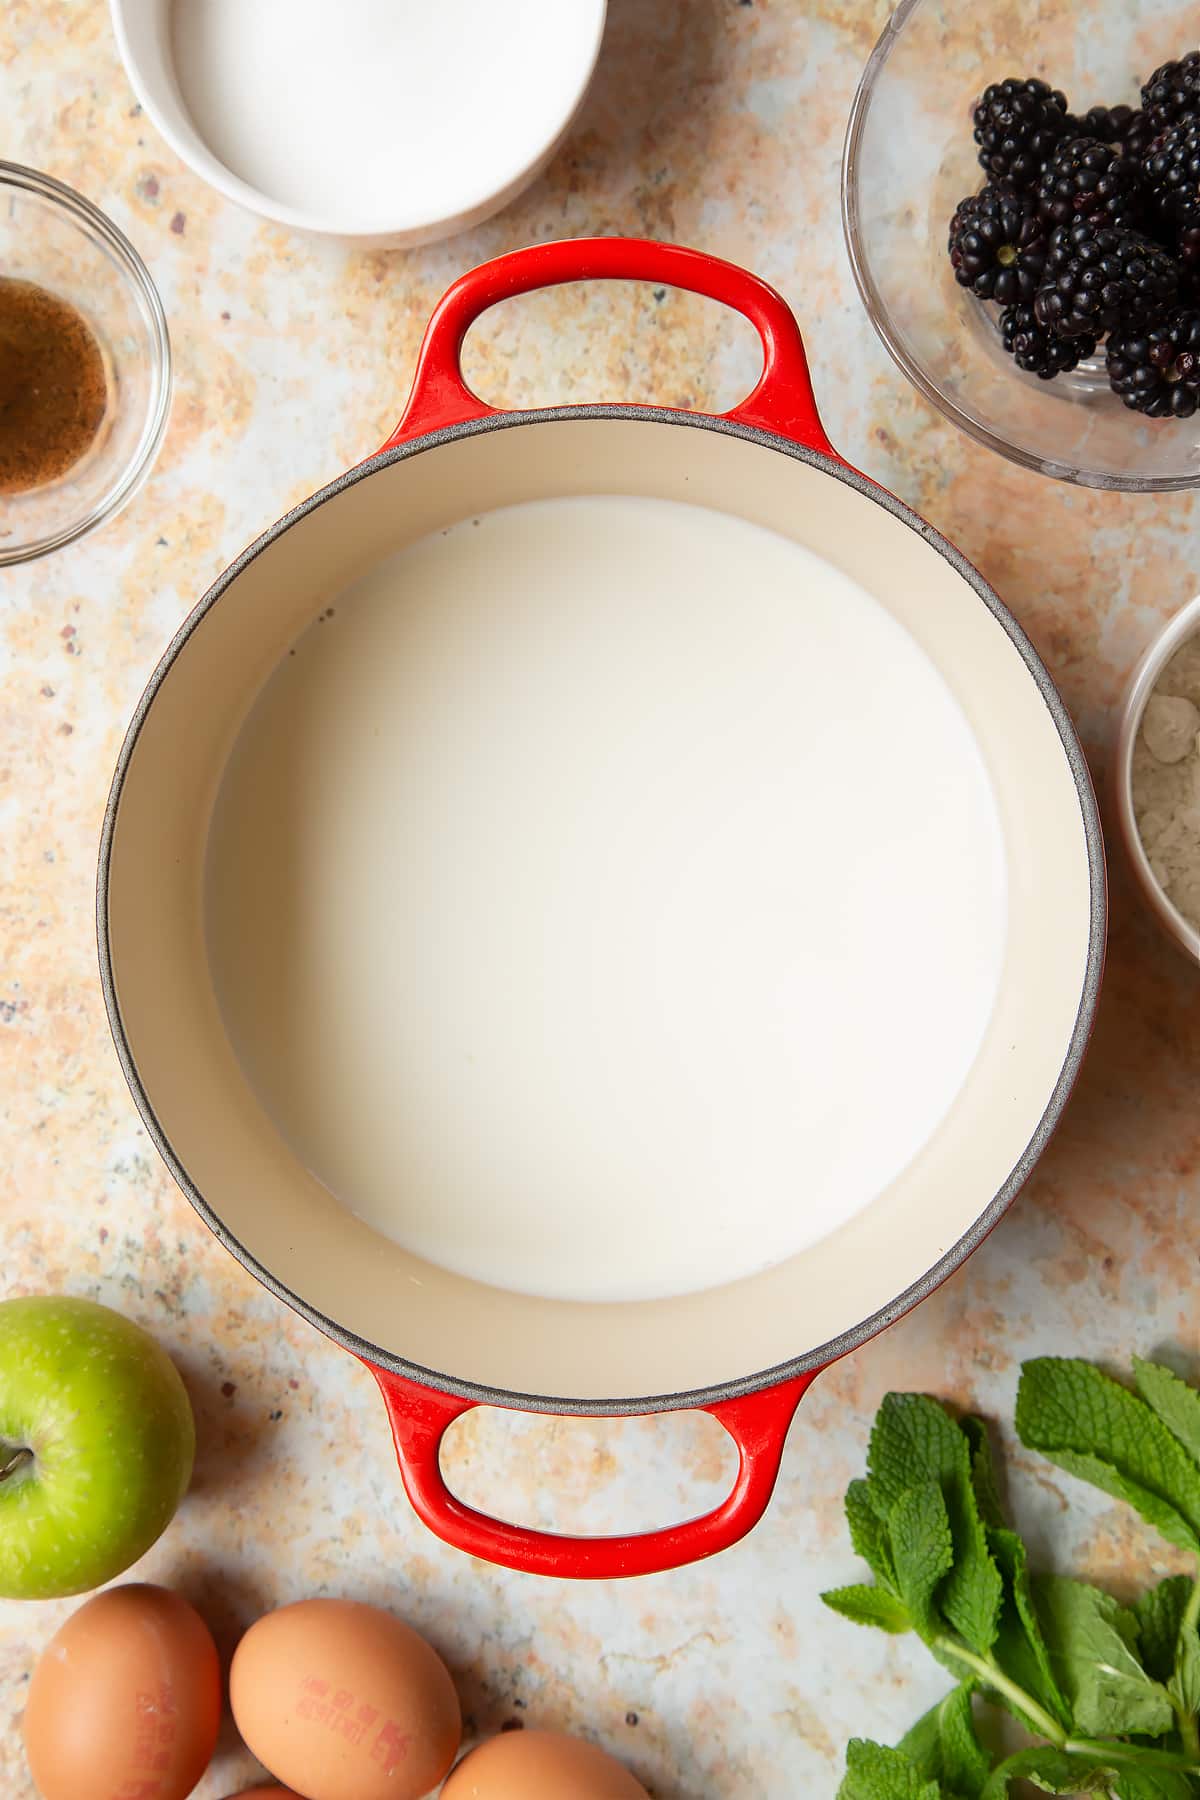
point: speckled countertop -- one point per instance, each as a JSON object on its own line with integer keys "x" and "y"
{"x": 717, "y": 123}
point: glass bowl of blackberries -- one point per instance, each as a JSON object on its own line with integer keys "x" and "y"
{"x": 1021, "y": 200}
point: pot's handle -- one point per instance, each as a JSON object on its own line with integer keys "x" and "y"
{"x": 782, "y": 400}
{"x": 757, "y": 1423}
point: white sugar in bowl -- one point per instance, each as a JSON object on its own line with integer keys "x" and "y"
{"x": 381, "y": 122}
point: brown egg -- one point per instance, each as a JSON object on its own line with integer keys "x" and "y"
{"x": 345, "y": 1702}
{"x": 541, "y": 1765}
{"x": 125, "y": 1703}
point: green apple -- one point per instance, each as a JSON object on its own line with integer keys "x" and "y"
{"x": 97, "y": 1441}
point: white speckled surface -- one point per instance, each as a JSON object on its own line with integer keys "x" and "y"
{"x": 715, "y": 123}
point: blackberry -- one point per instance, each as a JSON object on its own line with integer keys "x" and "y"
{"x": 1099, "y": 278}
{"x": 1172, "y": 171}
{"x": 1173, "y": 92}
{"x": 1157, "y": 372}
{"x": 1039, "y": 352}
{"x": 998, "y": 245}
{"x": 1130, "y": 131}
{"x": 1017, "y": 125}
{"x": 1085, "y": 178}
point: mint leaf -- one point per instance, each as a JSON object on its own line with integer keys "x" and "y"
{"x": 974, "y": 1591}
{"x": 1021, "y": 1649}
{"x": 1153, "y": 1784}
{"x": 1091, "y": 1639}
{"x": 1159, "y": 1614}
{"x": 913, "y": 1441}
{"x": 868, "y": 1534}
{"x": 1169, "y": 1643}
{"x": 869, "y": 1606}
{"x": 1165, "y": 1518}
{"x": 919, "y": 1528}
{"x": 1094, "y": 1428}
{"x": 1177, "y": 1404}
{"x": 942, "y": 1746}
{"x": 922, "y": 1745}
{"x": 1185, "y": 1682}
{"x": 965, "y": 1763}
{"x": 874, "y": 1772}
{"x": 1053, "y": 1771}
{"x": 983, "y": 1472}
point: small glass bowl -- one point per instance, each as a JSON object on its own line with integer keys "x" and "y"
{"x": 54, "y": 237}
{"x": 1173, "y": 636}
{"x": 909, "y": 159}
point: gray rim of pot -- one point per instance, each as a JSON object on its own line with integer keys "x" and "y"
{"x": 868, "y": 1328}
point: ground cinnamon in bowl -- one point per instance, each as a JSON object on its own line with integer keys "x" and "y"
{"x": 53, "y": 386}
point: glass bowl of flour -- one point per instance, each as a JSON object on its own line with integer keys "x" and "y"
{"x": 1158, "y": 777}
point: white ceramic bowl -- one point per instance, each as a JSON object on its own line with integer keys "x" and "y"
{"x": 380, "y": 137}
{"x": 1174, "y": 634}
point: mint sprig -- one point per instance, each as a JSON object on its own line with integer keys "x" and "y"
{"x": 916, "y": 1445}
{"x": 1112, "y": 1691}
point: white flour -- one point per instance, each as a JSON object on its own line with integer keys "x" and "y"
{"x": 1166, "y": 780}
{"x": 608, "y": 899}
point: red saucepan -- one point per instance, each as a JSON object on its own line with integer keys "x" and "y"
{"x": 241, "y": 705}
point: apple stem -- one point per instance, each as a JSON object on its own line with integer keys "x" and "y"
{"x": 16, "y": 1460}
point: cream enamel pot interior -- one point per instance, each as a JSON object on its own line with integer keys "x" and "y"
{"x": 439, "y": 1343}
